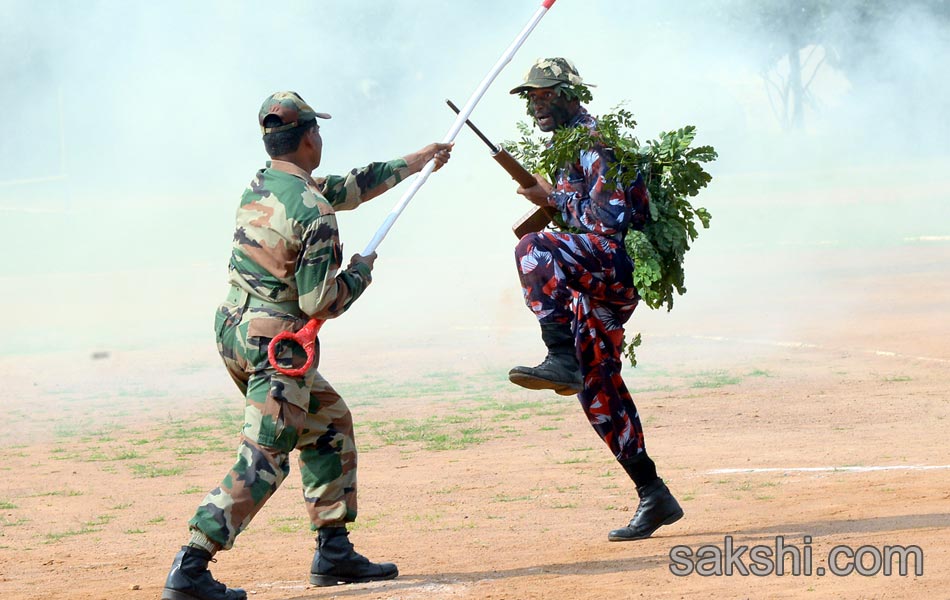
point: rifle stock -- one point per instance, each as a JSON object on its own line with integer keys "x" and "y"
{"x": 535, "y": 220}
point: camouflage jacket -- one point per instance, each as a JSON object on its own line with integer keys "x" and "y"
{"x": 286, "y": 241}
{"x": 581, "y": 192}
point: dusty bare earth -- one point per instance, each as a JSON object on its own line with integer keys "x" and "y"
{"x": 481, "y": 490}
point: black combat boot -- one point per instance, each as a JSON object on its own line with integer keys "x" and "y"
{"x": 336, "y": 562}
{"x": 190, "y": 579}
{"x": 559, "y": 371}
{"x": 657, "y": 507}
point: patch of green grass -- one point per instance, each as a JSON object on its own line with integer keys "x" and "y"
{"x": 181, "y": 432}
{"x": 99, "y": 456}
{"x": 88, "y": 527}
{"x": 19, "y": 521}
{"x": 155, "y": 521}
{"x": 507, "y": 498}
{"x": 564, "y": 505}
{"x": 189, "y": 450}
{"x": 573, "y": 461}
{"x": 505, "y": 417}
{"x": 140, "y": 442}
{"x": 898, "y": 379}
{"x": 70, "y": 430}
{"x": 759, "y": 373}
{"x": 121, "y": 506}
{"x": 4, "y": 505}
{"x": 134, "y": 531}
{"x": 150, "y": 471}
{"x": 426, "y": 517}
{"x": 57, "y": 536}
{"x": 192, "y": 489}
{"x": 289, "y": 524}
{"x": 66, "y": 493}
{"x": 363, "y": 524}
{"x": 435, "y": 433}
{"x": 547, "y": 428}
{"x": 714, "y": 379}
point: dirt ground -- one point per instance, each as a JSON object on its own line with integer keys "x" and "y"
{"x": 481, "y": 490}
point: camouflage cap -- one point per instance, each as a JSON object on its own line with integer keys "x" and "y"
{"x": 549, "y": 72}
{"x": 290, "y": 108}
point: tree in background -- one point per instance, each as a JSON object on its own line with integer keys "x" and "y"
{"x": 807, "y": 35}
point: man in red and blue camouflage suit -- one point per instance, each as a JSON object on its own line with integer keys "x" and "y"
{"x": 286, "y": 267}
{"x": 580, "y": 287}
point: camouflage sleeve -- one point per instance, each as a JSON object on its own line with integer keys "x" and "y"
{"x": 325, "y": 291}
{"x": 361, "y": 185}
{"x": 593, "y": 204}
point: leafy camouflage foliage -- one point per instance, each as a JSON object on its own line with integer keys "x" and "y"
{"x": 674, "y": 173}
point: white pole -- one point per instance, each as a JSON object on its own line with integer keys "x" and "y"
{"x": 463, "y": 115}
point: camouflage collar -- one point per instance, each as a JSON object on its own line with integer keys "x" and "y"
{"x": 291, "y": 169}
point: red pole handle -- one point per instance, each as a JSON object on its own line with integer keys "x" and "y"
{"x": 548, "y": 3}
{"x": 306, "y": 338}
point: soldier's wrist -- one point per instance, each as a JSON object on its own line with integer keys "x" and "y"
{"x": 363, "y": 270}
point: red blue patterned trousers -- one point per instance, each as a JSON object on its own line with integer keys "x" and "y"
{"x": 587, "y": 280}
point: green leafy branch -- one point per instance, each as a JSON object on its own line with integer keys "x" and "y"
{"x": 673, "y": 171}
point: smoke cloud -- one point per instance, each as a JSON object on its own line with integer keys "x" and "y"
{"x": 129, "y": 134}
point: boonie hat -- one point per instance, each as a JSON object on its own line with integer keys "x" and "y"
{"x": 290, "y": 108}
{"x": 549, "y": 72}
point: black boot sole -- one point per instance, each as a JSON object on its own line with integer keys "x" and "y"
{"x": 673, "y": 518}
{"x": 531, "y": 382}
{"x": 330, "y": 580}
{"x": 169, "y": 594}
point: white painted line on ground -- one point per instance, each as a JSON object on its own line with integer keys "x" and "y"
{"x": 783, "y": 344}
{"x": 830, "y": 469}
{"x": 928, "y": 238}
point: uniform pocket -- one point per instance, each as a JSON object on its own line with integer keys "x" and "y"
{"x": 280, "y": 425}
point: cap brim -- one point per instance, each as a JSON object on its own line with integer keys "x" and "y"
{"x": 535, "y": 84}
{"x": 542, "y": 83}
{"x": 321, "y": 115}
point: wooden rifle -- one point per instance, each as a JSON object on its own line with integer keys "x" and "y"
{"x": 539, "y": 217}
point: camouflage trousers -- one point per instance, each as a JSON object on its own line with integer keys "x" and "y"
{"x": 587, "y": 280}
{"x": 281, "y": 414}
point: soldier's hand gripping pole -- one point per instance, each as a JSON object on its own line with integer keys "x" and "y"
{"x": 307, "y": 335}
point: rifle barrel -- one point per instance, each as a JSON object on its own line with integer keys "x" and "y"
{"x": 481, "y": 135}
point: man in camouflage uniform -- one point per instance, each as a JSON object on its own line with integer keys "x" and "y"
{"x": 285, "y": 268}
{"x": 580, "y": 287}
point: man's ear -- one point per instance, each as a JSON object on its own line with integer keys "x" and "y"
{"x": 307, "y": 140}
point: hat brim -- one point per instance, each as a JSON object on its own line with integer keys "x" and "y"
{"x": 322, "y": 115}
{"x": 535, "y": 84}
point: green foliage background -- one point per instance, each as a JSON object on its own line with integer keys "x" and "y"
{"x": 674, "y": 173}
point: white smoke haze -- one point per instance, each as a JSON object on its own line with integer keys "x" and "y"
{"x": 129, "y": 134}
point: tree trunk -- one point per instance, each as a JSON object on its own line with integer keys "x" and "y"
{"x": 796, "y": 100}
